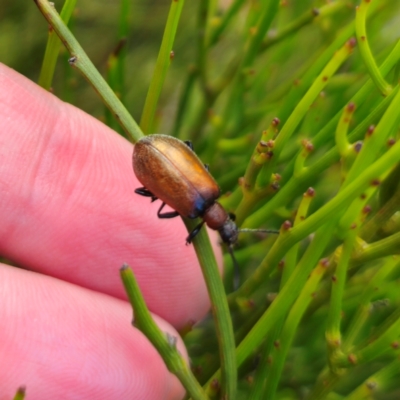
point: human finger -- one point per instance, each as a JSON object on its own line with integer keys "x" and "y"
{"x": 63, "y": 341}
{"x": 69, "y": 210}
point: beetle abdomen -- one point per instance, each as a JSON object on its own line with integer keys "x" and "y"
{"x": 169, "y": 169}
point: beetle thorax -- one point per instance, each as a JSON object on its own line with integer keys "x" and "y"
{"x": 218, "y": 219}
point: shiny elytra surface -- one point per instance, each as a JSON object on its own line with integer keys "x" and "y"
{"x": 169, "y": 169}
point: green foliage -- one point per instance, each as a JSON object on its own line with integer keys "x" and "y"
{"x": 278, "y": 97}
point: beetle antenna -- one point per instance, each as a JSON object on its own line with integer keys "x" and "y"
{"x": 236, "y": 272}
{"x": 258, "y": 230}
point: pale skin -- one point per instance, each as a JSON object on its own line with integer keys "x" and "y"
{"x": 70, "y": 219}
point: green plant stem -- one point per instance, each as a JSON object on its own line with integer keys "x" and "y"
{"x": 116, "y": 60}
{"x": 300, "y": 86}
{"x": 115, "y": 78}
{"x": 365, "y": 50}
{"x": 298, "y": 183}
{"x": 259, "y": 157}
{"x": 342, "y": 142}
{"x": 325, "y": 383}
{"x": 383, "y": 341}
{"x": 220, "y": 311}
{"x": 282, "y": 303}
{"x": 380, "y": 380}
{"x": 202, "y": 66}
{"x": 369, "y": 229}
{"x": 358, "y": 321}
{"x": 296, "y": 313}
{"x": 255, "y": 36}
{"x": 333, "y": 332}
{"x": 116, "y": 64}
{"x": 293, "y": 121}
{"x": 161, "y": 68}
{"x": 20, "y": 394}
{"x": 295, "y": 187}
{"x": 375, "y": 143}
{"x": 320, "y": 82}
{"x": 224, "y": 22}
{"x": 80, "y": 60}
{"x": 268, "y": 12}
{"x": 260, "y": 378}
{"x": 268, "y": 373}
{"x": 332, "y": 208}
{"x": 292, "y": 255}
{"x": 306, "y": 18}
{"x": 164, "y": 343}
{"x": 390, "y": 186}
{"x": 381, "y": 248}
{"x": 53, "y": 48}
{"x": 184, "y": 101}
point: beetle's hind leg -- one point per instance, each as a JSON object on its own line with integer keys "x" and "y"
{"x": 146, "y": 193}
{"x": 171, "y": 214}
{"x": 194, "y": 232}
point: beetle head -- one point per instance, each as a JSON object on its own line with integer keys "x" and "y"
{"x": 229, "y": 232}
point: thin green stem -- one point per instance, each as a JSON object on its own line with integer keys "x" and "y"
{"x": 164, "y": 343}
{"x": 365, "y": 50}
{"x": 268, "y": 373}
{"x": 160, "y": 71}
{"x": 333, "y": 208}
{"x": 282, "y": 303}
{"x": 289, "y": 330}
{"x": 115, "y": 78}
{"x": 303, "y": 20}
{"x": 257, "y": 34}
{"x": 292, "y": 255}
{"x": 303, "y": 106}
{"x": 380, "y": 380}
{"x": 184, "y": 101}
{"x": 293, "y": 121}
{"x": 333, "y": 332}
{"x": 300, "y": 87}
{"x": 381, "y": 248}
{"x": 261, "y": 153}
{"x": 224, "y": 21}
{"x": 299, "y": 182}
{"x": 220, "y": 310}
{"x": 342, "y": 128}
{"x": 325, "y": 383}
{"x": 20, "y": 394}
{"x": 384, "y": 341}
{"x": 358, "y": 321}
{"x": 53, "y": 48}
{"x": 370, "y": 228}
{"x": 376, "y": 142}
{"x": 80, "y": 60}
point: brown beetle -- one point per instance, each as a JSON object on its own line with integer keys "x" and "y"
{"x": 170, "y": 171}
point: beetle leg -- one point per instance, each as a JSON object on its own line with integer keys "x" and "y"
{"x": 171, "y": 214}
{"x": 194, "y": 232}
{"x": 144, "y": 192}
{"x": 207, "y": 167}
{"x": 232, "y": 216}
{"x": 189, "y": 144}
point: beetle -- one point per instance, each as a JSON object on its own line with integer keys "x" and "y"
{"x": 170, "y": 170}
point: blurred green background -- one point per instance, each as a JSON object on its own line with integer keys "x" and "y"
{"x": 23, "y": 35}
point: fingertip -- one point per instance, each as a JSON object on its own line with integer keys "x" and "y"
{"x": 69, "y": 209}
{"x": 61, "y": 340}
